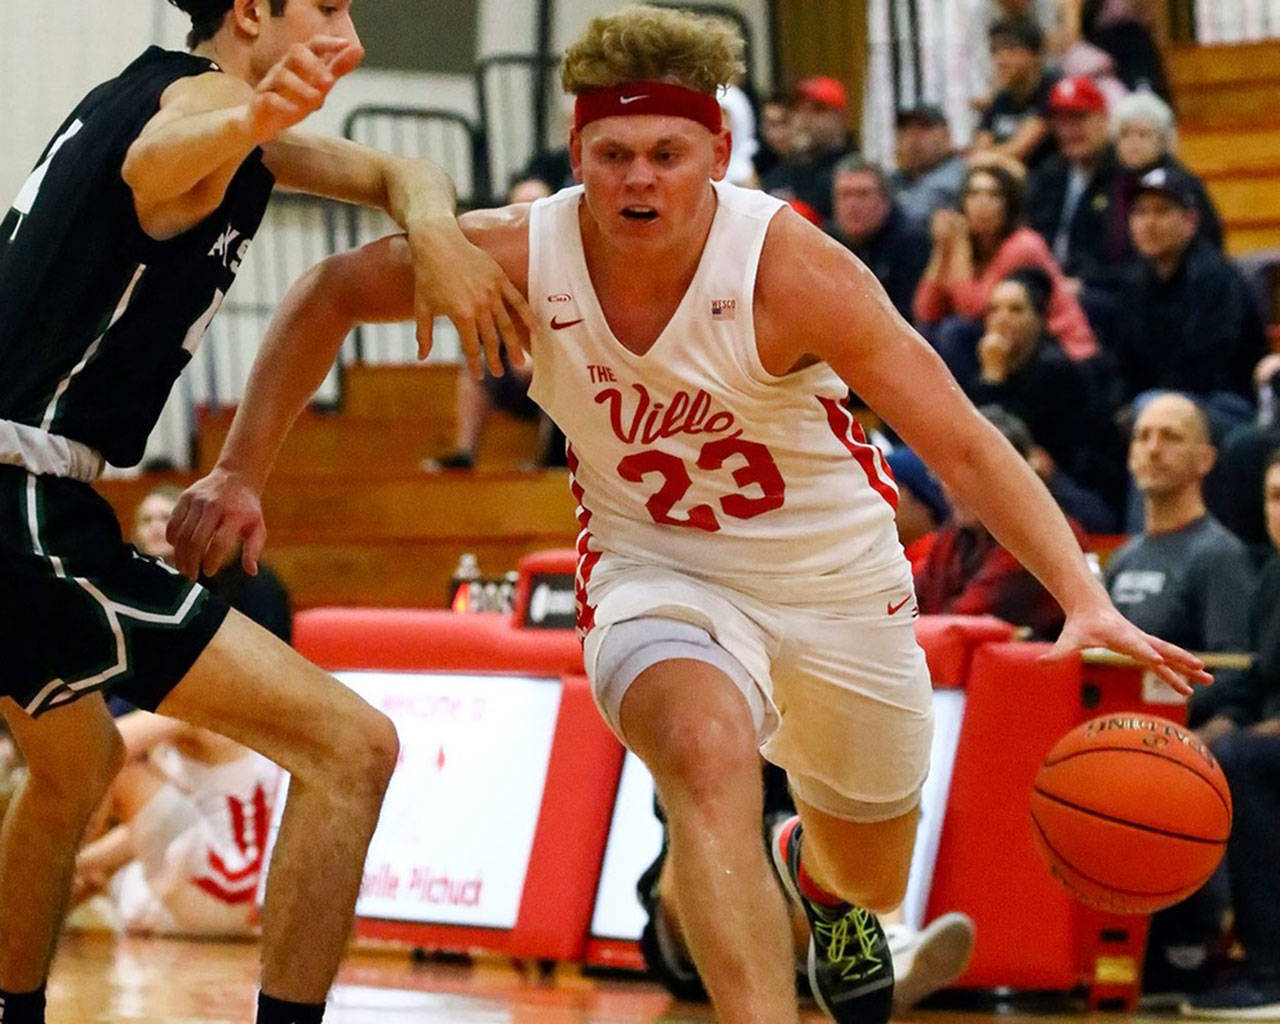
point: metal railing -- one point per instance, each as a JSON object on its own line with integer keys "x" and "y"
{"x": 521, "y": 110}
{"x": 457, "y": 145}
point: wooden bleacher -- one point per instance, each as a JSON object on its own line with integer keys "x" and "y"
{"x": 1228, "y": 100}
{"x": 392, "y": 418}
{"x": 352, "y": 517}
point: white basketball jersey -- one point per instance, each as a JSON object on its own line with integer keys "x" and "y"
{"x": 693, "y": 456}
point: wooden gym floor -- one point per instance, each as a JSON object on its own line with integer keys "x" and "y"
{"x": 102, "y": 980}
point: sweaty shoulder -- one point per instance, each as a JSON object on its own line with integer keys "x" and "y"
{"x": 504, "y": 234}
{"x": 807, "y": 283}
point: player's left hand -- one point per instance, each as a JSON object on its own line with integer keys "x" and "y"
{"x": 453, "y": 278}
{"x": 1103, "y": 626}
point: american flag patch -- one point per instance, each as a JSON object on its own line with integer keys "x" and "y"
{"x": 724, "y": 309}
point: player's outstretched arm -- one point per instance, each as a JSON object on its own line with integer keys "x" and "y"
{"x": 451, "y": 276}
{"x": 180, "y": 164}
{"x": 223, "y": 509}
{"x": 816, "y": 300}
{"x": 373, "y": 284}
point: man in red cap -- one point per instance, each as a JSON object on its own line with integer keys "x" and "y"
{"x": 1068, "y": 196}
{"x": 820, "y": 112}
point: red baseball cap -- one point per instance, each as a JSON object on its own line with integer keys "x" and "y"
{"x": 1079, "y": 95}
{"x": 830, "y": 92}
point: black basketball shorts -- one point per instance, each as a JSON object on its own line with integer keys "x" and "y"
{"x": 80, "y": 610}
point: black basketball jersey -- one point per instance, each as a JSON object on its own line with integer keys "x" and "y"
{"x": 97, "y": 319}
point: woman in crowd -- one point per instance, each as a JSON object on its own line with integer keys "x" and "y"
{"x": 1146, "y": 136}
{"x": 1023, "y": 369}
{"x": 974, "y": 249}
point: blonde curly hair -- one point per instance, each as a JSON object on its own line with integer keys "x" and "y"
{"x": 641, "y": 43}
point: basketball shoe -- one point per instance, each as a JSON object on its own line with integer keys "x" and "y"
{"x": 850, "y": 968}
{"x": 928, "y": 960}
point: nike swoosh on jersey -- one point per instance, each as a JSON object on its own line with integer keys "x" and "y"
{"x": 893, "y": 609}
{"x": 558, "y": 325}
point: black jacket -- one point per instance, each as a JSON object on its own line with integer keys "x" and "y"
{"x": 1057, "y": 399}
{"x": 1199, "y": 332}
{"x": 897, "y": 254}
{"x": 1091, "y": 255}
{"x": 1265, "y": 674}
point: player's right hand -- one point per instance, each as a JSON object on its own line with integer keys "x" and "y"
{"x": 298, "y": 84}
{"x": 213, "y": 517}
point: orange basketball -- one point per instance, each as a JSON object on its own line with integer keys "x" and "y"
{"x": 1131, "y": 812}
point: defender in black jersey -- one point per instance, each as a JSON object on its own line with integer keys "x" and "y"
{"x": 114, "y": 258}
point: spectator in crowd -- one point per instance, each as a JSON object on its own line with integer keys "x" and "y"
{"x": 973, "y": 251}
{"x": 1242, "y": 462}
{"x": 967, "y": 572}
{"x": 922, "y": 505}
{"x": 1023, "y": 369}
{"x": 819, "y": 138}
{"x": 930, "y": 171}
{"x": 1190, "y": 322}
{"x": 1185, "y": 577}
{"x": 1188, "y": 579}
{"x": 475, "y": 400}
{"x": 776, "y": 133}
{"x": 868, "y": 221}
{"x": 1249, "y": 754}
{"x": 1068, "y": 197}
{"x": 1145, "y": 136}
{"x": 1016, "y": 122}
{"x": 1116, "y": 28}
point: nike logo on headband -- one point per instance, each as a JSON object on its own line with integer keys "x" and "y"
{"x": 624, "y": 100}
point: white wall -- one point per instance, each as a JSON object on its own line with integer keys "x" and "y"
{"x": 53, "y": 51}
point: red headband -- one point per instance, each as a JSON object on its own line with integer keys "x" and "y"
{"x": 634, "y": 98}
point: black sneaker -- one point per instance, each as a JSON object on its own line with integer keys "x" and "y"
{"x": 1244, "y": 999}
{"x": 850, "y": 968}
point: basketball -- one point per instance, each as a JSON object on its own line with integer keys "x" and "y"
{"x": 1131, "y": 812}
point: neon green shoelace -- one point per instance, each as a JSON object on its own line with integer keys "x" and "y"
{"x": 850, "y": 942}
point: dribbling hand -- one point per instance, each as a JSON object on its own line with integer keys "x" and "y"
{"x": 298, "y": 84}
{"x": 213, "y": 517}
{"x": 1103, "y": 626}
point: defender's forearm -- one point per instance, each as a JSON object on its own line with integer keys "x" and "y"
{"x": 299, "y": 348}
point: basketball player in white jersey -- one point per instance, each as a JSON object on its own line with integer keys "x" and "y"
{"x": 740, "y": 585}
{"x": 187, "y": 854}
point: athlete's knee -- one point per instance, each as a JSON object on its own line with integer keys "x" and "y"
{"x": 77, "y": 768}
{"x": 706, "y": 758}
{"x": 370, "y": 751}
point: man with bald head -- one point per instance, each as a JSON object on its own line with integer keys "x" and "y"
{"x": 1189, "y": 580}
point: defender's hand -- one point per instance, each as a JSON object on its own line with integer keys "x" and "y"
{"x": 298, "y": 84}
{"x": 1103, "y": 626}
{"x": 211, "y": 519}
{"x": 452, "y": 278}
